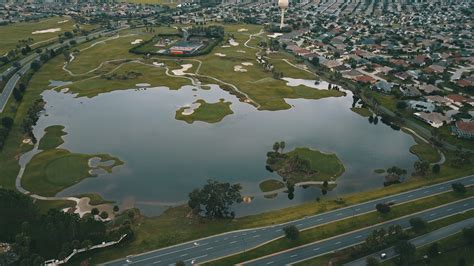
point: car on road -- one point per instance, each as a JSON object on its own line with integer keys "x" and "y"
{"x": 383, "y": 256}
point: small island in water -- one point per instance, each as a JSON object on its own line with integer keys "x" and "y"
{"x": 205, "y": 112}
{"x": 305, "y": 165}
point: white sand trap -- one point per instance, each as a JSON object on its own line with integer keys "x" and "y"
{"x": 143, "y": 85}
{"x": 239, "y": 68}
{"x": 241, "y": 51}
{"x": 63, "y": 21}
{"x": 27, "y": 141}
{"x": 321, "y": 85}
{"x": 225, "y": 46}
{"x": 247, "y": 64}
{"x": 190, "y": 108}
{"x": 137, "y": 41}
{"x": 158, "y": 64}
{"x": 65, "y": 90}
{"x": 46, "y": 31}
{"x": 243, "y": 30}
{"x": 233, "y": 42}
{"x": 181, "y": 72}
{"x": 275, "y": 35}
{"x": 221, "y": 55}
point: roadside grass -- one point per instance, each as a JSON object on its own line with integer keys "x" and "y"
{"x": 343, "y": 226}
{"x": 362, "y": 111}
{"x": 54, "y": 170}
{"x": 271, "y": 185}
{"x": 52, "y": 138}
{"x": 23, "y": 31}
{"x": 174, "y": 226}
{"x": 343, "y": 256}
{"x": 206, "y": 112}
{"x": 326, "y": 166}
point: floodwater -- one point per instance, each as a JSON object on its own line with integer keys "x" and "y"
{"x": 165, "y": 159}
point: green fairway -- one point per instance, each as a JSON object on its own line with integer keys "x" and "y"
{"x": 426, "y": 152}
{"x": 206, "y": 112}
{"x": 52, "y": 138}
{"x": 304, "y": 164}
{"x": 24, "y": 30}
{"x": 54, "y": 170}
{"x": 271, "y": 185}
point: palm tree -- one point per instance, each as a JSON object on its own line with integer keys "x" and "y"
{"x": 282, "y": 146}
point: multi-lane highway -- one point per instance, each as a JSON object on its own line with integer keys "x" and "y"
{"x": 26, "y": 64}
{"x": 420, "y": 241}
{"x": 326, "y": 246}
{"x": 226, "y": 244}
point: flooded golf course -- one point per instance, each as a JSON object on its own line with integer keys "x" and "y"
{"x": 166, "y": 158}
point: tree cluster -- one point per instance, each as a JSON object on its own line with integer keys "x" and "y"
{"x": 215, "y": 199}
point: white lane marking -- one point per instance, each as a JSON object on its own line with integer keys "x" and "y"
{"x": 316, "y": 249}
{"x": 226, "y": 238}
{"x": 450, "y": 209}
{"x": 194, "y": 259}
{"x": 359, "y": 236}
{"x": 358, "y": 209}
{"x": 233, "y": 242}
{"x": 236, "y": 236}
{"x": 278, "y": 230}
{"x": 409, "y": 196}
{"x": 209, "y": 248}
{"x": 465, "y": 205}
{"x": 320, "y": 219}
{"x": 433, "y": 214}
{"x": 156, "y": 262}
{"x": 299, "y": 225}
{"x": 339, "y": 214}
{"x": 338, "y": 242}
{"x": 271, "y": 262}
{"x": 183, "y": 255}
{"x": 426, "y": 192}
{"x": 157, "y": 256}
{"x": 292, "y": 256}
{"x": 256, "y": 236}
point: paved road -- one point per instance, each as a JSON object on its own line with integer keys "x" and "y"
{"x": 26, "y": 64}
{"x": 226, "y": 244}
{"x": 319, "y": 248}
{"x": 420, "y": 241}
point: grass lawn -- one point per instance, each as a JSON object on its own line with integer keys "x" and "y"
{"x": 24, "y": 30}
{"x": 325, "y": 166}
{"x": 425, "y": 152}
{"x": 364, "y": 112}
{"x": 52, "y": 138}
{"x": 271, "y": 185}
{"x": 171, "y": 3}
{"x": 54, "y": 170}
{"x": 206, "y": 112}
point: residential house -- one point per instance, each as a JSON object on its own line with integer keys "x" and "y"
{"x": 455, "y": 99}
{"x": 422, "y": 106}
{"x": 434, "y": 119}
{"x": 464, "y": 129}
{"x": 428, "y": 88}
{"x": 410, "y": 91}
{"x": 383, "y": 86}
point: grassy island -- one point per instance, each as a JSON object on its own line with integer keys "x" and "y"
{"x": 362, "y": 111}
{"x": 271, "y": 185}
{"x": 205, "y": 112}
{"x": 52, "y": 138}
{"x": 303, "y": 165}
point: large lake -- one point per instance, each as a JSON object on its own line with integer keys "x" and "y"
{"x": 165, "y": 158}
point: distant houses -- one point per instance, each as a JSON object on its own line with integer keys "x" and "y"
{"x": 463, "y": 129}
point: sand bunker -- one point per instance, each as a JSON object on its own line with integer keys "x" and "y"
{"x": 63, "y": 21}
{"x": 190, "y": 108}
{"x": 46, "y": 31}
{"x": 225, "y": 46}
{"x": 143, "y": 85}
{"x": 241, "y": 51}
{"x": 65, "y": 90}
{"x": 239, "y": 68}
{"x": 137, "y": 41}
{"x": 221, "y": 55}
{"x": 181, "y": 72}
{"x": 275, "y": 35}
{"x": 247, "y": 64}
{"x": 158, "y": 64}
{"x": 233, "y": 42}
{"x": 243, "y": 30}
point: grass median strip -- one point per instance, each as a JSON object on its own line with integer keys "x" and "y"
{"x": 343, "y": 226}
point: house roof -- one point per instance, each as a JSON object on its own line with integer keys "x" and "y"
{"x": 466, "y": 126}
